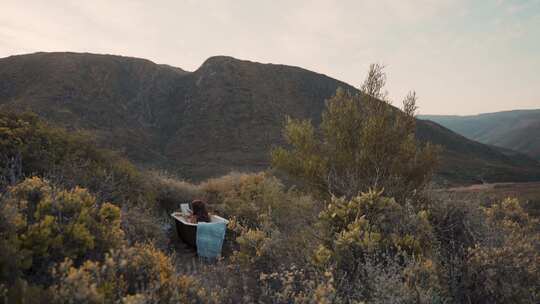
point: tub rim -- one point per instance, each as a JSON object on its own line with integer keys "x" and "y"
{"x": 180, "y": 217}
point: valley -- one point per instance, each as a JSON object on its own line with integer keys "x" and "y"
{"x": 517, "y": 130}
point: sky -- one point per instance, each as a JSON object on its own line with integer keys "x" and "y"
{"x": 461, "y": 57}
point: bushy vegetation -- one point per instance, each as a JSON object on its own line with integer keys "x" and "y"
{"x": 354, "y": 224}
{"x": 170, "y": 191}
{"x": 63, "y": 246}
{"x": 29, "y": 146}
{"x": 362, "y": 143}
{"x": 138, "y": 274}
{"x": 51, "y": 225}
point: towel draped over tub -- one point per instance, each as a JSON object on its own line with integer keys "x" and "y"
{"x": 210, "y": 239}
{"x": 207, "y": 238}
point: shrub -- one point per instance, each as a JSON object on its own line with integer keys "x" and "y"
{"x": 297, "y": 285}
{"x": 12, "y": 259}
{"x": 396, "y": 280}
{"x": 505, "y": 266}
{"x": 51, "y": 224}
{"x": 361, "y": 143}
{"x": 170, "y": 192}
{"x": 143, "y": 225}
{"x": 247, "y": 196}
{"x": 46, "y": 228}
{"x": 271, "y": 228}
{"x": 139, "y": 274}
{"x": 261, "y": 205}
{"x": 371, "y": 231}
{"x": 215, "y": 188}
{"x": 258, "y": 249}
{"x": 372, "y": 223}
{"x": 30, "y": 147}
{"x": 458, "y": 224}
{"x": 487, "y": 255}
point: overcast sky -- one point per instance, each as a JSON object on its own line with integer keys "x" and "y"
{"x": 461, "y": 57}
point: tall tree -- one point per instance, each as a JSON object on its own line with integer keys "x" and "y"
{"x": 362, "y": 143}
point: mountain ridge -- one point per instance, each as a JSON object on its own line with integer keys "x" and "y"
{"x": 517, "y": 130}
{"x": 226, "y": 115}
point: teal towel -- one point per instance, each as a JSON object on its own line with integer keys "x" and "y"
{"x": 210, "y": 239}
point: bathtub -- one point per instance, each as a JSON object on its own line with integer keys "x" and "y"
{"x": 187, "y": 231}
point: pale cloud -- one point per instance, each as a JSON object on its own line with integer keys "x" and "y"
{"x": 460, "y": 56}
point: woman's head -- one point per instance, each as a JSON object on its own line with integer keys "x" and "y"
{"x": 200, "y": 211}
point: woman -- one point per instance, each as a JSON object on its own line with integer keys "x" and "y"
{"x": 200, "y": 213}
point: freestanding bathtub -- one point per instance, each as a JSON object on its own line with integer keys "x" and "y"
{"x": 187, "y": 231}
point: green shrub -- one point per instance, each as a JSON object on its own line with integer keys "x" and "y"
{"x": 378, "y": 223}
{"x": 138, "y": 274}
{"x": 170, "y": 192}
{"x": 487, "y": 255}
{"x": 271, "y": 228}
{"x": 379, "y": 251}
{"x": 297, "y": 285}
{"x": 30, "y": 147}
{"x": 260, "y": 204}
{"x": 142, "y": 225}
{"x": 48, "y": 225}
{"x": 361, "y": 143}
{"x": 64, "y": 246}
{"x": 505, "y": 266}
{"x": 247, "y": 196}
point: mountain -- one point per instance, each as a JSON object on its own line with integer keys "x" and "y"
{"x": 224, "y": 116}
{"x": 517, "y": 130}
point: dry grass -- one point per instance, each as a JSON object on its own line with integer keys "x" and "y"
{"x": 172, "y": 191}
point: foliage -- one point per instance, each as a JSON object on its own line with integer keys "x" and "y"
{"x": 371, "y": 231}
{"x": 139, "y": 274}
{"x": 297, "y": 285}
{"x": 397, "y": 228}
{"x": 170, "y": 191}
{"x": 270, "y": 227}
{"x": 258, "y": 248}
{"x": 458, "y": 225}
{"x": 65, "y": 246}
{"x": 505, "y": 266}
{"x": 361, "y": 143}
{"x": 248, "y": 196}
{"x": 143, "y": 225}
{"x": 30, "y": 147}
{"x": 50, "y": 225}
{"x": 487, "y": 254}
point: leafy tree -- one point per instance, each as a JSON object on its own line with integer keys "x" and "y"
{"x": 362, "y": 143}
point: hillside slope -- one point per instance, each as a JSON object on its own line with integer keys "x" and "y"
{"x": 224, "y": 116}
{"x": 517, "y": 130}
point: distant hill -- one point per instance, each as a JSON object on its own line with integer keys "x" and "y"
{"x": 516, "y": 130}
{"x": 224, "y": 116}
